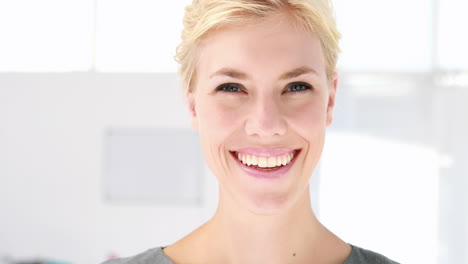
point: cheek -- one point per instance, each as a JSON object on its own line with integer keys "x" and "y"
{"x": 218, "y": 120}
{"x": 217, "y": 124}
{"x": 308, "y": 118}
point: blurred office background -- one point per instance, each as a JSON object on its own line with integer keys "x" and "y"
{"x": 90, "y": 105}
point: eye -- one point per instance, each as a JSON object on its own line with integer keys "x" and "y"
{"x": 229, "y": 87}
{"x": 298, "y": 87}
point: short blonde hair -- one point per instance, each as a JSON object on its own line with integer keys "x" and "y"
{"x": 203, "y": 16}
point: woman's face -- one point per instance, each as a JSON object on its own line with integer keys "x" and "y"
{"x": 261, "y": 105}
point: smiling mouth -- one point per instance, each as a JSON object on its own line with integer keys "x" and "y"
{"x": 266, "y": 163}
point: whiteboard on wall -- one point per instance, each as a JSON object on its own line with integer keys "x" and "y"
{"x": 162, "y": 166}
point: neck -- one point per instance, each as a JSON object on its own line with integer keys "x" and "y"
{"x": 245, "y": 237}
{"x": 235, "y": 235}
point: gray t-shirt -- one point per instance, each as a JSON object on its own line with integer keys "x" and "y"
{"x": 157, "y": 256}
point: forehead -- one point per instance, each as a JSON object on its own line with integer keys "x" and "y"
{"x": 271, "y": 47}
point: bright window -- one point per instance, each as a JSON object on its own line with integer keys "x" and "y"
{"x": 385, "y": 36}
{"x": 138, "y": 35}
{"x": 453, "y": 39}
{"x": 46, "y": 35}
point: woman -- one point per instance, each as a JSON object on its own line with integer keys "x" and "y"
{"x": 260, "y": 84}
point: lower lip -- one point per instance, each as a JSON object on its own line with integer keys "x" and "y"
{"x": 273, "y": 174}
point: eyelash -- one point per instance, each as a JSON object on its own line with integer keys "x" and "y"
{"x": 237, "y": 88}
{"x": 303, "y": 86}
{"x": 222, "y": 87}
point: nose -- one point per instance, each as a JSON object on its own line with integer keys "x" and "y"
{"x": 265, "y": 119}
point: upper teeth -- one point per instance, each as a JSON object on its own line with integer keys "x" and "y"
{"x": 265, "y": 162}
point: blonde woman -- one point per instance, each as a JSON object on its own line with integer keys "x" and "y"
{"x": 260, "y": 82}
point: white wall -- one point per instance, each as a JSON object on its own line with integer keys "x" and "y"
{"x": 52, "y": 128}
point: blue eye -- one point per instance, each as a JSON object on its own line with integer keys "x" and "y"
{"x": 229, "y": 87}
{"x": 298, "y": 87}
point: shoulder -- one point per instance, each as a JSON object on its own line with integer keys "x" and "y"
{"x": 151, "y": 256}
{"x": 364, "y": 256}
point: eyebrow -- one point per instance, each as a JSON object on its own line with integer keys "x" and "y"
{"x": 233, "y": 73}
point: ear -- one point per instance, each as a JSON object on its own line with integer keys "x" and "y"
{"x": 190, "y": 100}
{"x": 331, "y": 98}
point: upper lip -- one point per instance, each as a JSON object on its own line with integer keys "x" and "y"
{"x": 265, "y": 152}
